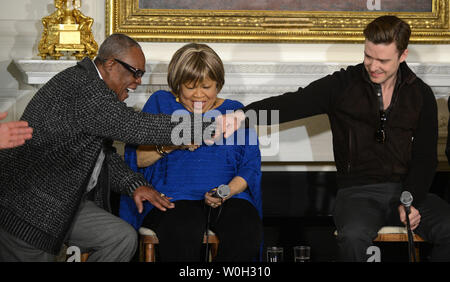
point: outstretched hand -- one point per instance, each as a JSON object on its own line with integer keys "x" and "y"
{"x": 13, "y": 133}
{"x": 159, "y": 200}
{"x": 227, "y": 124}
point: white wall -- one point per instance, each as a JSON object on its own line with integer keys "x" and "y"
{"x": 20, "y": 31}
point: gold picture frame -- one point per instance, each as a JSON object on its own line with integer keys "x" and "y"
{"x": 178, "y": 25}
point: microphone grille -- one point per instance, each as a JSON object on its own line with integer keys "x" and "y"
{"x": 223, "y": 191}
{"x": 406, "y": 198}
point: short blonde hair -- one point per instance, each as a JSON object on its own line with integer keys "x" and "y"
{"x": 195, "y": 62}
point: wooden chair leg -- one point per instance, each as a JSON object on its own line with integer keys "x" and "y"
{"x": 149, "y": 253}
{"x": 84, "y": 257}
{"x": 141, "y": 250}
{"x": 417, "y": 254}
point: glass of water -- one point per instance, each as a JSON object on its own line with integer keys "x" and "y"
{"x": 302, "y": 253}
{"x": 274, "y": 254}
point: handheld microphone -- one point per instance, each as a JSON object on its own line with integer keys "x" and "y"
{"x": 222, "y": 191}
{"x": 406, "y": 199}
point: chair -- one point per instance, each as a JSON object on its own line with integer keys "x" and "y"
{"x": 395, "y": 234}
{"x": 84, "y": 257}
{"x": 148, "y": 240}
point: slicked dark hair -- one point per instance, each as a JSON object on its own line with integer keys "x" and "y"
{"x": 388, "y": 29}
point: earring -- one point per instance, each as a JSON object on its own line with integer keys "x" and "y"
{"x": 177, "y": 99}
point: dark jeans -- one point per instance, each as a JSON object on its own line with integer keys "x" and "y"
{"x": 180, "y": 230}
{"x": 361, "y": 211}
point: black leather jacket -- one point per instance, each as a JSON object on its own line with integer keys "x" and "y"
{"x": 348, "y": 97}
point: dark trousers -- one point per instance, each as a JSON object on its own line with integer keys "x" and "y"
{"x": 105, "y": 236}
{"x": 361, "y": 211}
{"x": 180, "y": 230}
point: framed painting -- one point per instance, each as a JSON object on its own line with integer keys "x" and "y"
{"x": 272, "y": 21}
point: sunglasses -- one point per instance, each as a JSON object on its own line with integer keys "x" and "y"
{"x": 380, "y": 135}
{"x": 137, "y": 73}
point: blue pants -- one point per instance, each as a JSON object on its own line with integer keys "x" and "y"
{"x": 361, "y": 211}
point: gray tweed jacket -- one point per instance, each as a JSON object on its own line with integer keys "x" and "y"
{"x": 43, "y": 181}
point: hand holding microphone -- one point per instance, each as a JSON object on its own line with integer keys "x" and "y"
{"x": 406, "y": 209}
{"x": 412, "y": 218}
{"x": 216, "y": 196}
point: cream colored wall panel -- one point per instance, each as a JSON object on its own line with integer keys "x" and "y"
{"x": 254, "y": 71}
{"x": 302, "y": 143}
{"x": 8, "y": 105}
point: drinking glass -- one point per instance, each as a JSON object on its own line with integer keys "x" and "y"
{"x": 274, "y": 254}
{"x": 302, "y": 253}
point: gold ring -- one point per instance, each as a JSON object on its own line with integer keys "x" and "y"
{"x": 162, "y": 195}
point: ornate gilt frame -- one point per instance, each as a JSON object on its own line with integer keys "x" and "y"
{"x": 125, "y": 16}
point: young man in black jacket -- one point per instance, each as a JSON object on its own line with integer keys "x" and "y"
{"x": 384, "y": 124}
{"x": 55, "y": 188}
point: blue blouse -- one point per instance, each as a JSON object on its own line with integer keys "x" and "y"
{"x": 186, "y": 175}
